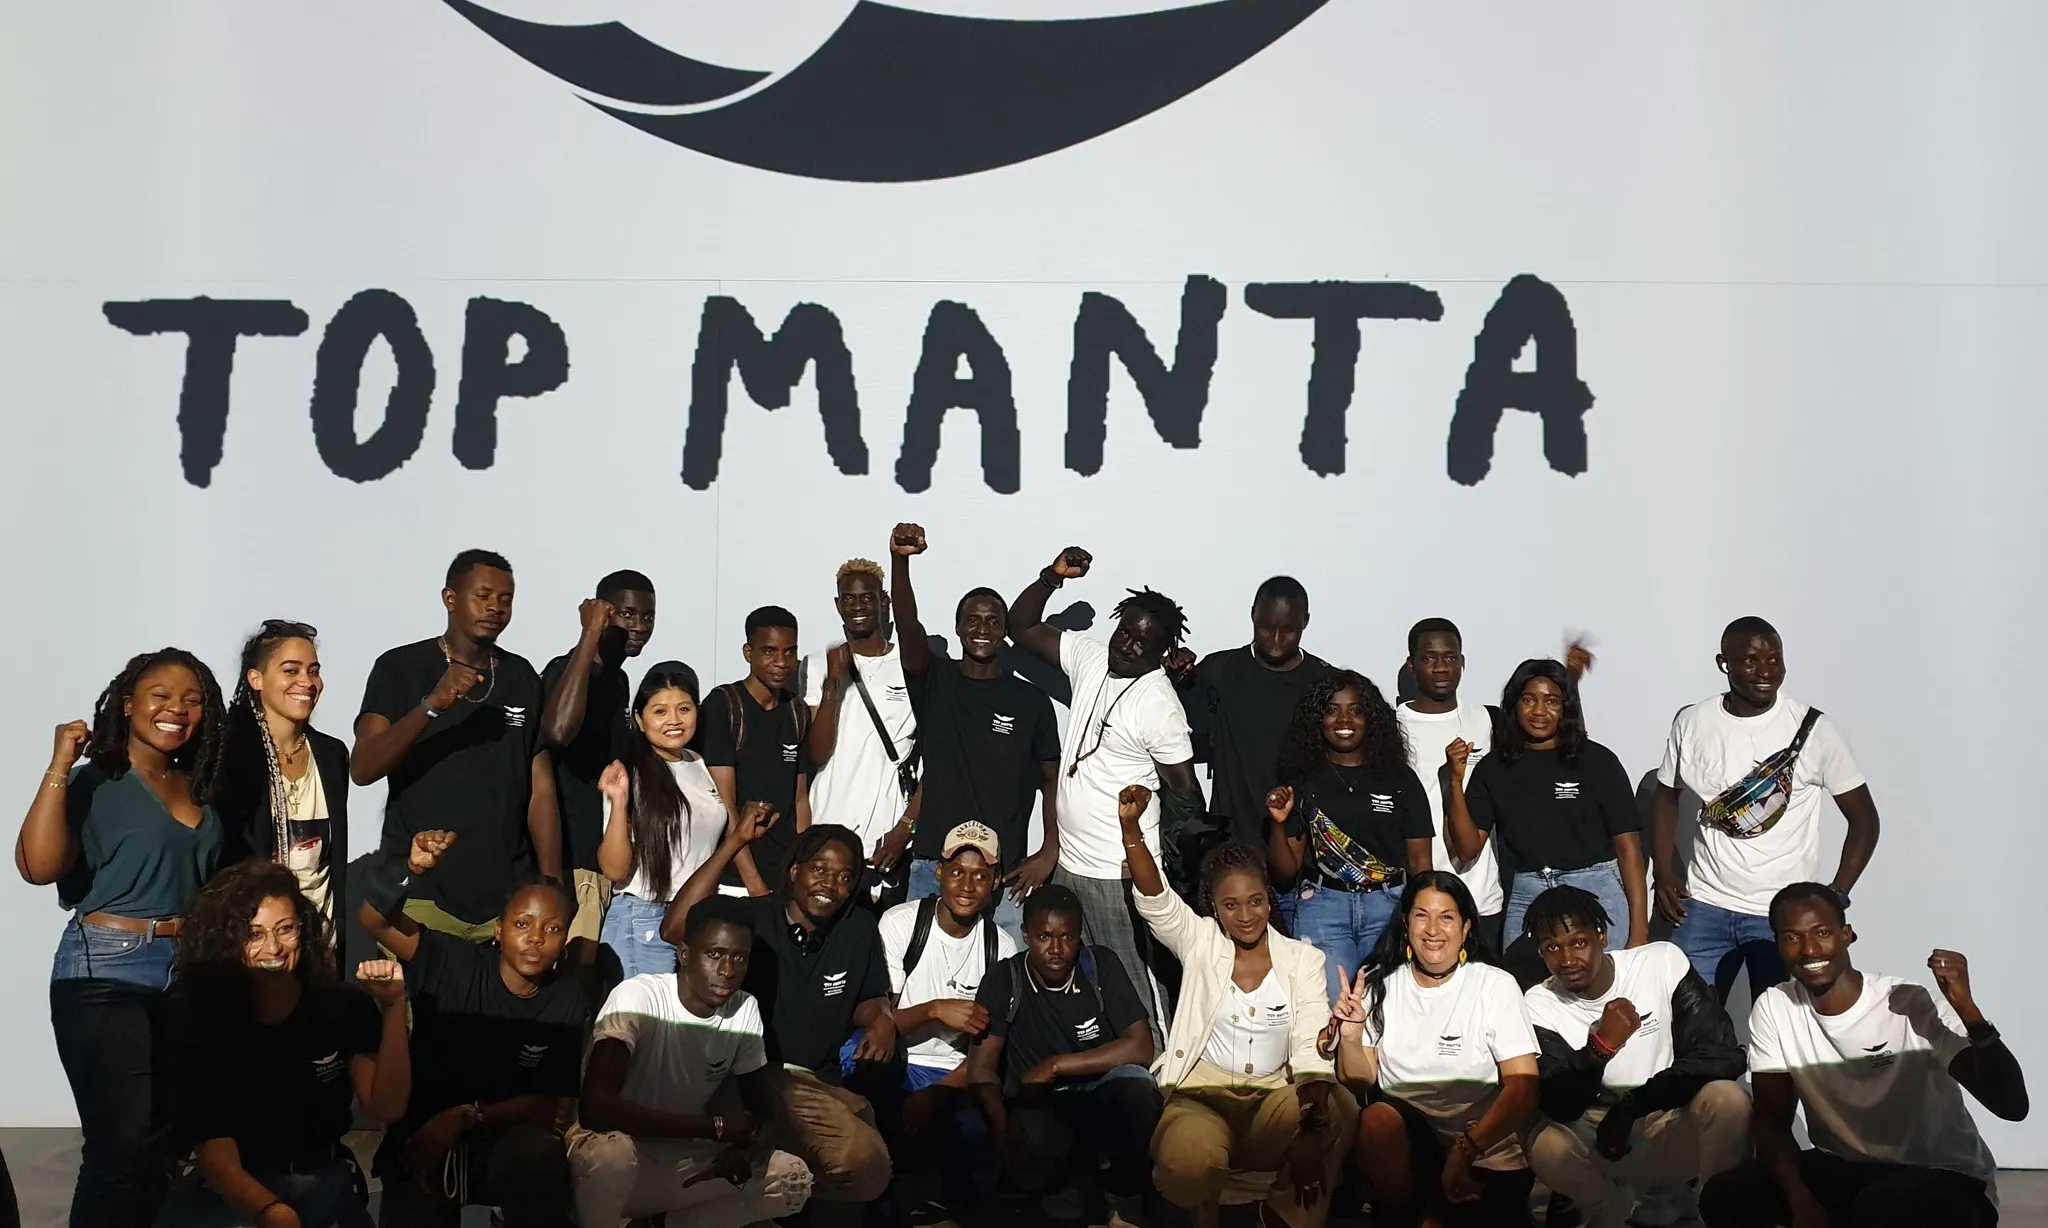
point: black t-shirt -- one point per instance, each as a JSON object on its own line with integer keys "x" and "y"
{"x": 984, "y": 739}
{"x": 578, "y": 765}
{"x": 1050, "y": 1022}
{"x": 471, "y": 773}
{"x": 282, "y": 1090}
{"x": 769, "y": 758}
{"x": 473, "y": 1040}
{"x": 807, "y": 997}
{"x": 1547, "y": 814}
{"x": 1238, "y": 711}
{"x": 1380, "y": 812}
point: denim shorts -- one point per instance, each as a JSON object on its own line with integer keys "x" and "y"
{"x": 102, "y": 953}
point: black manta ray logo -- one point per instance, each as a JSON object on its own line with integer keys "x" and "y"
{"x": 896, "y": 95}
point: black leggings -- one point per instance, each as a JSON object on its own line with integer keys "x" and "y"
{"x": 1503, "y": 1193}
{"x": 1855, "y": 1195}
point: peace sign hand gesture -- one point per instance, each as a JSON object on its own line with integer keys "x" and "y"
{"x": 1349, "y": 1009}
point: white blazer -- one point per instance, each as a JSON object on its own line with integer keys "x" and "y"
{"x": 1207, "y": 956}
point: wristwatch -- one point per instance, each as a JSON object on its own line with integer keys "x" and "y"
{"x": 1052, "y": 579}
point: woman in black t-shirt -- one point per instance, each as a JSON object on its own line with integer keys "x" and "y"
{"x": 1558, "y": 805}
{"x": 271, "y": 1055}
{"x": 1349, "y": 818}
{"x": 128, "y": 837}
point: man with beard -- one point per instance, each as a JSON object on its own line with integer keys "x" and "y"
{"x": 588, "y": 695}
{"x": 816, "y": 968}
{"x": 454, "y": 723}
{"x": 1880, "y": 1068}
{"x": 991, "y": 743}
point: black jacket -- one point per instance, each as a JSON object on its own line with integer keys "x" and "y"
{"x": 1703, "y": 1049}
{"x": 244, "y": 802}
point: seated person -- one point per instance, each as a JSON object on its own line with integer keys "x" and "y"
{"x": 1440, "y": 1032}
{"x": 1246, "y": 1090}
{"x": 1880, "y": 1068}
{"x": 1638, "y": 1067}
{"x": 678, "y": 1096}
{"x": 816, "y": 973}
{"x": 497, "y": 1039}
{"x": 1060, "y": 1071}
{"x": 271, "y": 1054}
{"x": 938, "y": 950}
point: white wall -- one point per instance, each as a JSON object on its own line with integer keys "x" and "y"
{"x": 1801, "y": 247}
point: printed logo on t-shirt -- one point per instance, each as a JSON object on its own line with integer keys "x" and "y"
{"x": 327, "y": 1069}
{"x": 515, "y": 717}
{"x": 1003, "y": 724}
{"x": 897, "y": 692}
{"x": 1646, "y": 1024}
{"x": 530, "y": 1055}
{"x": 1450, "y": 1046}
{"x": 715, "y": 1069}
{"x": 1567, "y": 790}
{"x": 789, "y": 752}
{"x": 1382, "y": 803}
{"x": 834, "y": 984}
{"x": 1088, "y": 1031}
{"x": 1880, "y": 1056}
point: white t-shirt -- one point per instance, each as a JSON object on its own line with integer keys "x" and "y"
{"x": 679, "y": 1058}
{"x": 1120, "y": 730}
{"x": 1442, "y": 1048}
{"x": 1710, "y": 750}
{"x": 697, "y": 836}
{"x": 306, "y": 829}
{"x": 948, "y": 967}
{"x": 1428, "y": 734}
{"x": 857, "y": 787}
{"x": 1645, "y": 976}
{"x": 1252, "y": 1033}
{"x": 1874, "y": 1079}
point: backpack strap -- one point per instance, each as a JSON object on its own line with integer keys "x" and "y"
{"x": 920, "y": 933}
{"x": 1087, "y": 971}
{"x": 988, "y": 941}
{"x": 735, "y": 714}
{"x": 1016, "y": 963}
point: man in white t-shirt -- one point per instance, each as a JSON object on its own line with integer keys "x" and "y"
{"x": 1433, "y": 721}
{"x": 857, "y": 775}
{"x": 1125, "y": 727}
{"x": 1880, "y": 1068}
{"x": 677, "y": 1094}
{"x": 1639, "y": 1067}
{"x": 1759, "y": 762}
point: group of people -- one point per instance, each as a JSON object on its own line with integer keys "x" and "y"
{"x": 750, "y": 952}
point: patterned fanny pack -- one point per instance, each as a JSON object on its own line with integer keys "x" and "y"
{"x": 1753, "y": 805}
{"x": 1348, "y": 862}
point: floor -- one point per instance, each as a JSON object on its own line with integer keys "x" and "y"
{"x": 44, "y": 1163}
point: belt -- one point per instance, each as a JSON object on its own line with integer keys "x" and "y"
{"x": 161, "y": 927}
{"x": 1397, "y": 880}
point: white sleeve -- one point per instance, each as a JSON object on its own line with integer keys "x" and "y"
{"x": 1935, "y": 1021}
{"x": 814, "y": 680}
{"x": 1828, "y": 752}
{"x": 1006, "y": 946}
{"x": 1165, "y": 728}
{"x": 1668, "y": 771}
{"x": 624, "y": 1011}
{"x": 752, "y": 1053}
{"x": 1080, "y": 655}
{"x": 1766, "y": 1054}
{"x": 896, "y": 926}
{"x": 1508, "y": 1034}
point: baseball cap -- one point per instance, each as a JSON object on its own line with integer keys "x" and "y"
{"x": 971, "y": 835}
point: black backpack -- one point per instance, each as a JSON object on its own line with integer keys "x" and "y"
{"x": 736, "y": 714}
{"x": 927, "y": 912}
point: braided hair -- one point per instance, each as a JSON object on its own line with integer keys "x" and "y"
{"x": 1172, "y": 619}
{"x": 200, "y": 758}
{"x": 247, "y": 710}
{"x": 1303, "y": 753}
{"x": 1230, "y": 857}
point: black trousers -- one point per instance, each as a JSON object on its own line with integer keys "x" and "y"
{"x": 1855, "y": 1195}
{"x": 1104, "y": 1126}
{"x": 524, "y": 1170}
{"x": 113, "y": 1040}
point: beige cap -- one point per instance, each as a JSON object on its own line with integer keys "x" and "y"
{"x": 971, "y": 835}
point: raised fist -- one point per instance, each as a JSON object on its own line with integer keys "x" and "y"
{"x": 1131, "y": 803}
{"x": 427, "y": 849}
{"x": 596, "y": 615}
{"x": 755, "y": 818}
{"x": 1073, "y": 563}
{"x": 907, "y": 540}
{"x": 1280, "y": 804}
{"x": 456, "y": 681}
{"x": 1618, "y": 1022}
{"x": 1179, "y": 663}
{"x": 71, "y": 739}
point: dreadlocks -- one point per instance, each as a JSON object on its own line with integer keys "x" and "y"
{"x": 246, "y": 714}
{"x": 1303, "y": 754}
{"x": 200, "y": 758}
{"x": 1564, "y": 907}
{"x": 1173, "y": 620}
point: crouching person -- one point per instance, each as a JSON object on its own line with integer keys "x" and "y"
{"x": 670, "y": 1053}
{"x": 1060, "y": 1070}
{"x": 1637, "y": 1068}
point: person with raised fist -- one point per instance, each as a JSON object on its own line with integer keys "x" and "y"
{"x": 1126, "y": 725}
{"x": 584, "y": 724}
{"x": 864, "y": 740}
{"x": 272, "y": 1054}
{"x": 1441, "y": 730}
{"x": 991, "y": 743}
{"x": 128, "y": 836}
{"x": 453, "y": 724}
{"x": 1880, "y": 1068}
{"x": 817, "y": 971}
{"x": 1640, "y": 1070}
{"x": 497, "y": 1037}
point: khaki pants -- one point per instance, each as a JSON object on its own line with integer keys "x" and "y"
{"x": 1707, "y": 1137}
{"x": 618, "y": 1176}
{"x": 833, "y": 1133}
{"x": 434, "y": 917}
{"x": 593, "y": 896}
{"x": 1213, "y": 1130}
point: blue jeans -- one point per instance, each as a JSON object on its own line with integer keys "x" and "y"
{"x": 1344, "y": 926}
{"x": 1009, "y": 914}
{"x": 1720, "y": 942}
{"x": 324, "y": 1197}
{"x": 632, "y": 929}
{"x": 1603, "y": 880}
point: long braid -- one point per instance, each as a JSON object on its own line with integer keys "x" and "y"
{"x": 280, "y": 798}
{"x": 256, "y": 652}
